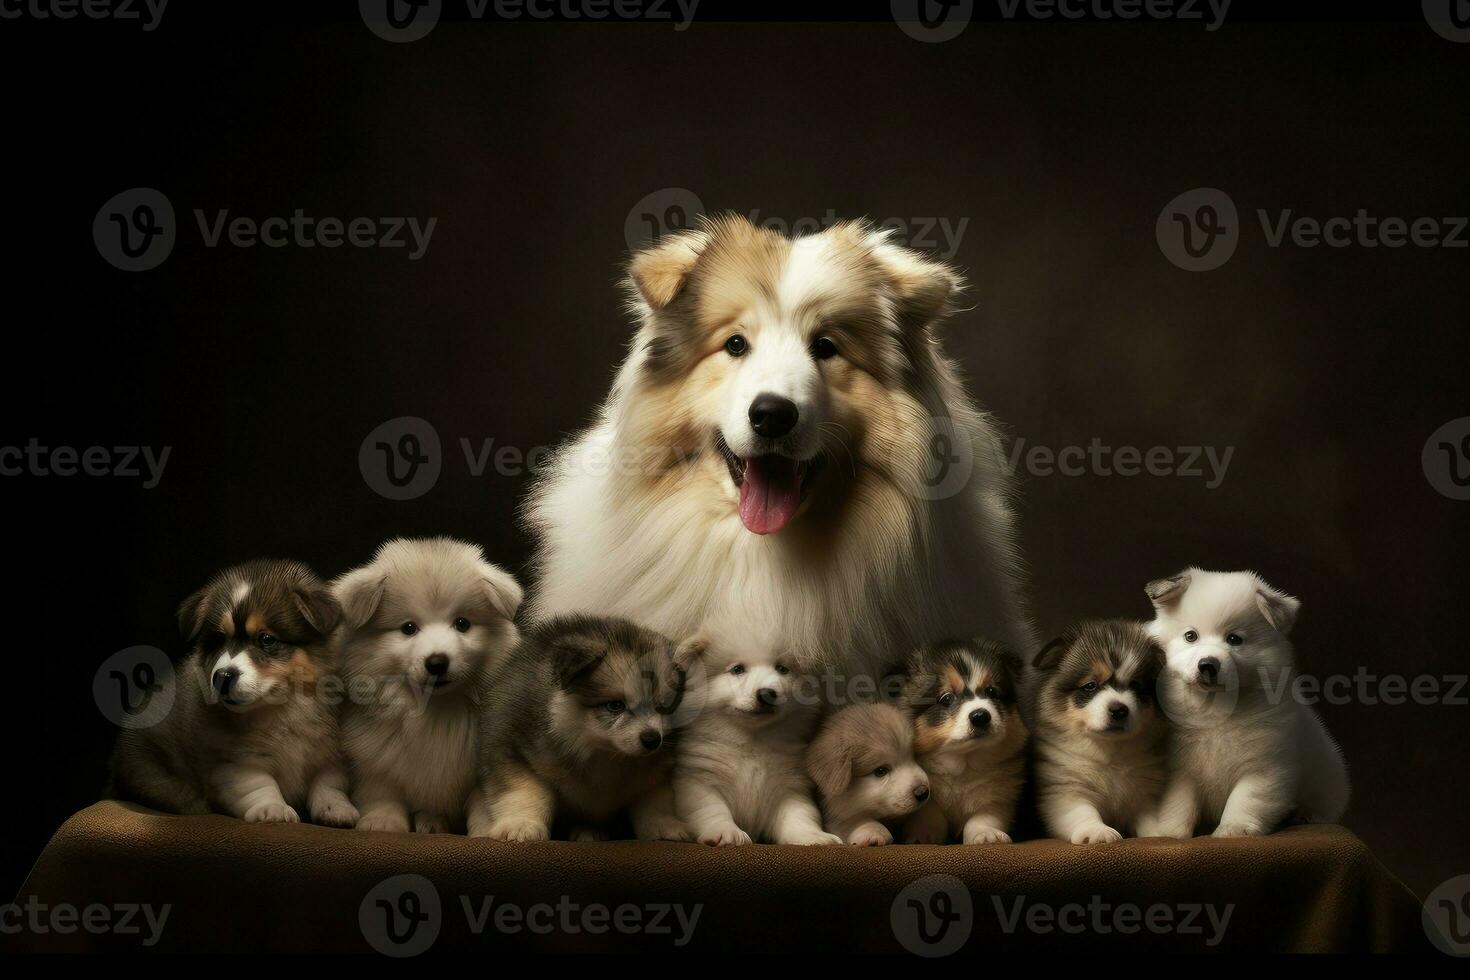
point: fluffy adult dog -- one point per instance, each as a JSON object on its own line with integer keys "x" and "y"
{"x": 578, "y": 726}
{"x": 1100, "y": 743}
{"x": 970, "y": 739}
{"x": 786, "y": 434}
{"x": 862, "y": 761}
{"x": 252, "y": 732}
{"x": 423, "y": 623}
{"x": 740, "y": 774}
{"x": 1246, "y": 754}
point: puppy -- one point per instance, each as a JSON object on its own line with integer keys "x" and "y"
{"x": 1100, "y": 743}
{"x": 740, "y": 774}
{"x": 423, "y": 623}
{"x": 970, "y": 739}
{"x": 1246, "y": 755}
{"x": 250, "y": 733}
{"x": 863, "y": 763}
{"x": 578, "y": 725}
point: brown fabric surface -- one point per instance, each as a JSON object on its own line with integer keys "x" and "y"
{"x": 300, "y": 888}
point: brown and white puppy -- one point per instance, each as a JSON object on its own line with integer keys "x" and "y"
{"x": 253, "y": 729}
{"x": 1101, "y": 750}
{"x": 862, "y": 761}
{"x": 969, "y": 738}
{"x": 423, "y": 624}
{"x": 578, "y": 727}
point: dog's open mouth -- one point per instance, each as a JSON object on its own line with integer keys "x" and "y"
{"x": 771, "y": 486}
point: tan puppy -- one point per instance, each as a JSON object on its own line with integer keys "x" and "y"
{"x": 863, "y": 763}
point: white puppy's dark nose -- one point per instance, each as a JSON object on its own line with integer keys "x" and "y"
{"x": 921, "y": 793}
{"x": 1209, "y": 670}
{"x": 437, "y": 664}
{"x": 772, "y": 416}
{"x": 768, "y": 697}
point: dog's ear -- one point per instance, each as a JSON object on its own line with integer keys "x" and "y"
{"x": 689, "y": 651}
{"x": 1165, "y": 592}
{"x": 924, "y": 289}
{"x": 318, "y": 608}
{"x": 660, "y": 270}
{"x": 1279, "y": 608}
{"x": 501, "y": 588}
{"x": 191, "y": 616}
{"x": 358, "y": 593}
{"x": 829, "y": 762}
{"x": 573, "y": 654}
{"x": 1050, "y": 656}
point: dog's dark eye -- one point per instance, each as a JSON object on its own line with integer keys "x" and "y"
{"x": 615, "y": 707}
{"x": 1234, "y": 639}
{"x": 737, "y": 668}
{"x": 992, "y": 692}
{"x": 881, "y": 771}
{"x": 462, "y": 624}
{"x": 736, "y": 346}
{"x": 782, "y": 669}
{"x": 946, "y": 699}
{"x": 409, "y": 629}
{"x": 823, "y": 348}
{"x": 266, "y": 641}
{"x": 1190, "y": 636}
{"x": 1089, "y": 687}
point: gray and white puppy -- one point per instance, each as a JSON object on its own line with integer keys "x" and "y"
{"x": 250, "y": 734}
{"x": 577, "y": 725}
{"x": 423, "y": 624}
{"x": 862, "y": 761}
{"x": 1246, "y": 754}
{"x": 1101, "y": 745}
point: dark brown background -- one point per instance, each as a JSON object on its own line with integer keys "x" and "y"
{"x": 1327, "y": 369}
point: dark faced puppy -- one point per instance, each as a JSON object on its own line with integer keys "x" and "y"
{"x": 1100, "y": 737}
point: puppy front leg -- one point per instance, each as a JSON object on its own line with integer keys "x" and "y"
{"x": 1178, "y": 811}
{"x": 708, "y": 815}
{"x": 654, "y": 817}
{"x": 798, "y": 821}
{"x": 862, "y": 832}
{"x": 986, "y": 828}
{"x": 382, "y": 805}
{"x": 327, "y": 799}
{"x": 521, "y": 805}
{"x": 928, "y": 826}
{"x": 1255, "y": 806}
{"x": 252, "y": 794}
{"x": 1074, "y": 819}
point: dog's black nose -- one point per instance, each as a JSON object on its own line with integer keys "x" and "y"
{"x": 979, "y": 718}
{"x": 772, "y": 416}
{"x": 224, "y": 679}
{"x": 437, "y": 664}
{"x": 1209, "y": 670}
{"x": 1117, "y": 711}
{"x": 650, "y": 740}
{"x": 921, "y": 793}
{"x": 768, "y": 696}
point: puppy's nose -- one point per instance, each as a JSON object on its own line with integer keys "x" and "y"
{"x": 921, "y": 793}
{"x": 437, "y": 664}
{"x": 224, "y": 679}
{"x": 768, "y": 696}
{"x": 650, "y": 740}
{"x": 1117, "y": 711}
{"x": 979, "y": 719}
{"x": 772, "y": 416}
{"x": 1209, "y": 669}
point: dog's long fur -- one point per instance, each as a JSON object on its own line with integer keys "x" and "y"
{"x": 579, "y": 725}
{"x": 250, "y": 733}
{"x": 411, "y": 737}
{"x": 1101, "y": 751}
{"x": 638, "y": 516}
{"x": 1245, "y": 756}
{"x": 862, "y": 761}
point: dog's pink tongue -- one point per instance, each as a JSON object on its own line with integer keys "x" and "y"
{"x": 769, "y": 493}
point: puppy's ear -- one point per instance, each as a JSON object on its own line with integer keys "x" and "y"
{"x": 924, "y": 289}
{"x": 501, "y": 588}
{"x": 191, "y": 616}
{"x": 1165, "y": 592}
{"x": 358, "y": 593}
{"x": 318, "y": 608}
{"x": 829, "y": 762}
{"x": 1050, "y": 656}
{"x": 573, "y": 655}
{"x": 660, "y": 270}
{"x": 1279, "y": 608}
{"x": 689, "y": 651}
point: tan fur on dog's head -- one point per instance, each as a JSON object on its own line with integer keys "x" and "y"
{"x": 1099, "y": 679}
{"x": 962, "y": 695}
{"x": 863, "y": 763}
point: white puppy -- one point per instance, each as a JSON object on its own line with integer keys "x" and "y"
{"x": 1246, "y": 755}
{"x": 423, "y": 622}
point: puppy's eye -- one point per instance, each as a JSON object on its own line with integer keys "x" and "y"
{"x": 1234, "y": 639}
{"x": 462, "y": 625}
{"x": 881, "y": 771}
{"x": 782, "y": 669}
{"x": 736, "y": 346}
{"x": 1190, "y": 636}
{"x": 409, "y": 629}
{"x": 737, "y": 669}
{"x": 266, "y": 641}
{"x": 615, "y": 707}
{"x": 991, "y": 692}
{"x": 946, "y": 699}
{"x": 823, "y": 348}
{"x": 1089, "y": 687}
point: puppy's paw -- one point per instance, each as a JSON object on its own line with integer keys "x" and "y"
{"x": 870, "y": 835}
{"x": 1238, "y": 828}
{"x": 387, "y": 823}
{"x": 813, "y": 838}
{"x": 518, "y": 829}
{"x": 336, "y": 813}
{"x": 726, "y": 835}
{"x": 987, "y": 835}
{"x": 430, "y": 823}
{"x": 588, "y": 834}
{"x": 669, "y": 828}
{"x": 271, "y": 813}
{"x": 1096, "y": 833}
{"x": 1150, "y": 827}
